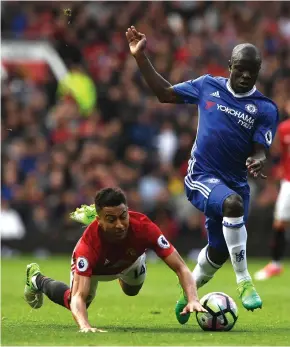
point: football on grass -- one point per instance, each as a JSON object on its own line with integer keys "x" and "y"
{"x": 222, "y": 312}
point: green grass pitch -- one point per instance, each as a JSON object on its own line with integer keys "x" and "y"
{"x": 147, "y": 319}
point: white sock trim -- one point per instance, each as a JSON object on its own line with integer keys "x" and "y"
{"x": 234, "y": 220}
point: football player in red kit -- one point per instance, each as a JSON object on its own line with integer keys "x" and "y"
{"x": 112, "y": 247}
{"x": 282, "y": 208}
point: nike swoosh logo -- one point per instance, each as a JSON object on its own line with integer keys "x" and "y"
{"x": 225, "y": 322}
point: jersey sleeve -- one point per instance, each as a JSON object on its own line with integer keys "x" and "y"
{"x": 157, "y": 241}
{"x": 267, "y": 127}
{"x": 84, "y": 255}
{"x": 190, "y": 91}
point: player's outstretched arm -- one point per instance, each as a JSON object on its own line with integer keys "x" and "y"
{"x": 176, "y": 263}
{"x": 160, "y": 87}
{"x": 80, "y": 292}
{"x": 256, "y": 162}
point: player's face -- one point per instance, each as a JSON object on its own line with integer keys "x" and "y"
{"x": 244, "y": 74}
{"x": 114, "y": 222}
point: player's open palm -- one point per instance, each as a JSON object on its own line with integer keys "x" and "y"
{"x": 194, "y": 306}
{"x": 136, "y": 40}
{"x": 92, "y": 330}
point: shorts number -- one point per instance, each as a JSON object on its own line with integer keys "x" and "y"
{"x": 142, "y": 271}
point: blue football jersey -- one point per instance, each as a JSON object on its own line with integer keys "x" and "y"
{"x": 228, "y": 126}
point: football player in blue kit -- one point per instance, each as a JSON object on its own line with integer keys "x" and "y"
{"x": 236, "y": 126}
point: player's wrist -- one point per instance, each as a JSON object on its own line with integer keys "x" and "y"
{"x": 85, "y": 326}
{"x": 192, "y": 299}
{"x": 139, "y": 55}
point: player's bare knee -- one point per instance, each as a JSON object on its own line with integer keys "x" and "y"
{"x": 233, "y": 206}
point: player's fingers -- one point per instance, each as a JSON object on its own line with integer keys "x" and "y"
{"x": 130, "y": 37}
{"x": 254, "y": 174}
{"x": 200, "y": 308}
{"x": 134, "y": 31}
{"x": 249, "y": 161}
{"x": 83, "y": 330}
{"x": 137, "y": 33}
{"x": 254, "y": 165}
{"x": 128, "y": 34}
{"x": 185, "y": 311}
{"x": 255, "y": 171}
{"x": 131, "y": 32}
{"x": 264, "y": 177}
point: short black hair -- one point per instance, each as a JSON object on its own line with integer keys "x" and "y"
{"x": 108, "y": 197}
{"x": 248, "y": 49}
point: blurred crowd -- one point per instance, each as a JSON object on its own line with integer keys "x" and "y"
{"x": 55, "y": 157}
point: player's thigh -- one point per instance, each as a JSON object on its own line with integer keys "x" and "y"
{"x": 207, "y": 193}
{"x": 282, "y": 208}
{"x": 135, "y": 275}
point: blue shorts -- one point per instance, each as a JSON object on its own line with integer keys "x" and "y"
{"x": 208, "y": 193}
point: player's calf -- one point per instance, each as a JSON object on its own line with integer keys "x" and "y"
{"x": 57, "y": 292}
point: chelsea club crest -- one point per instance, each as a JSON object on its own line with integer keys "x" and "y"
{"x": 251, "y": 108}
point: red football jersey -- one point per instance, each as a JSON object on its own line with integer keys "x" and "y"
{"x": 93, "y": 255}
{"x": 284, "y": 138}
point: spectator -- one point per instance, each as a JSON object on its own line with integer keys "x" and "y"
{"x": 12, "y": 227}
{"x": 69, "y": 141}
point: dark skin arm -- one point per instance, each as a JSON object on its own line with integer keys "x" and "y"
{"x": 256, "y": 162}
{"x": 159, "y": 86}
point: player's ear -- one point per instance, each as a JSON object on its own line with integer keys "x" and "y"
{"x": 230, "y": 66}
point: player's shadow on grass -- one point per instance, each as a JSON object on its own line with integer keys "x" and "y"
{"x": 156, "y": 329}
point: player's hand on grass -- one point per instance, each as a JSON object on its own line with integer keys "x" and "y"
{"x": 194, "y": 306}
{"x": 92, "y": 330}
{"x": 136, "y": 40}
{"x": 255, "y": 167}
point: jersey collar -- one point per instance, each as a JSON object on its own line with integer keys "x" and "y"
{"x": 240, "y": 95}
